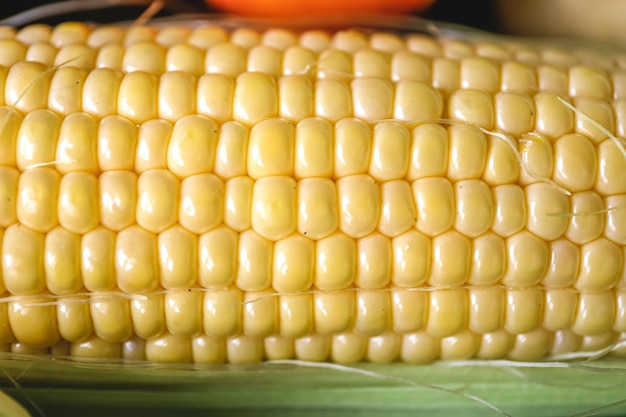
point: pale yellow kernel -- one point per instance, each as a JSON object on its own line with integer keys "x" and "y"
{"x": 27, "y": 85}
{"x": 618, "y": 79}
{"x": 565, "y": 341}
{"x": 111, "y": 318}
{"x": 488, "y": 259}
{"x": 110, "y": 57}
{"x": 191, "y": 149}
{"x": 417, "y": 101}
{"x": 411, "y": 259}
{"x": 201, "y": 202}
{"x": 136, "y": 260}
{"x": 374, "y": 261}
{"x": 144, "y": 56}
{"x": 531, "y": 346}
{"x": 502, "y": 166}
{"x": 260, "y": 314}
{"x": 600, "y": 112}
{"x": 558, "y": 57}
{"x": 222, "y": 312}
{"x": 37, "y": 196}
{"x": 271, "y": 148}
{"x": 255, "y": 98}
{"x": 370, "y": 63}
{"x": 34, "y": 33}
{"x": 559, "y": 307}
{"x": 231, "y": 151}
{"x": 359, "y": 205}
{"x": 563, "y": 264}
{"x": 472, "y": 106}
{"x": 134, "y": 349}
{"x": 468, "y": 152}
{"x": 13, "y": 52}
{"x": 313, "y": 348}
{"x": 104, "y": 35}
{"x": 335, "y": 266}
{"x": 611, "y": 176}
{"x": 265, "y": 59}
{"x": 178, "y": 258}
{"x": 293, "y": 265}
{"x": 238, "y": 203}
{"x": 99, "y": 93}
{"x": 65, "y": 94}
{"x": 245, "y": 37}
{"x": 317, "y": 207}
{"x": 217, "y": 256}
{"x": 397, "y": 213}
{"x": 461, "y": 346}
{"x": 527, "y": 260}
{"x": 33, "y": 324}
{"x": 387, "y": 42}
{"x": 97, "y": 259}
{"x": 595, "y": 313}
{"x": 118, "y": 199}
{"x": 225, "y": 58}
{"x": 373, "y": 312}
{"x": 510, "y": 209}
{"x": 524, "y": 309}
{"x": 177, "y": 95}
{"x": 183, "y": 312}
{"x": 372, "y": 98}
{"x": 434, "y": 200}
{"x": 215, "y": 94}
{"x": 62, "y": 261}
{"x": 333, "y": 99}
{"x": 274, "y": 207}
{"x": 298, "y": 60}
{"x": 409, "y": 310}
{"x": 446, "y": 75}
{"x": 601, "y": 341}
{"x": 478, "y": 73}
{"x": 518, "y": 77}
{"x": 409, "y": 66}
{"x": 615, "y": 218}
{"x": 137, "y": 97}
{"x": 77, "y": 145}
{"x": 600, "y": 264}
{"x": 208, "y": 349}
{"x": 11, "y": 122}
{"x": 148, "y": 316}
{"x": 589, "y": 82}
{"x": 278, "y": 348}
{"x": 390, "y": 151}
{"x": 74, "y": 319}
{"x": 619, "y": 324}
{"x": 451, "y": 255}
{"x": 515, "y": 113}
{"x": 23, "y": 260}
{"x": 254, "y": 262}
{"x": 296, "y": 315}
{"x": 429, "y": 152}
{"x": 545, "y": 205}
{"x": 495, "y": 345}
{"x": 169, "y": 348}
{"x": 313, "y": 148}
{"x": 37, "y": 138}
{"x": 139, "y": 33}
{"x": 486, "y": 309}
{"x": 619, "y": 107}
{"x": 186, "y": 58}
{"x": 95, "y": 348}
{"x": 78, "y": 209}
{"x": 172, "y": 35}
{"x": 353, "y": 144}
{"x": 69, "y": 33}
{"x": 348, "y": 348}
{"x": 296, "y": 97}
{"x": 384, "y": 348}
{"x": 315, "y": 40}
{"x": 157, "y": 200}
{"x": 76, "y": 57}
{"x": 419, "y": 348}
{"x": 117, "y": 140}
{"x": 333, "y": 312}
{"x": 588, "y": 223}
{"x": 447, "y": 312}
{"x": 552, "y": 119}
{"x": 334, "y": 64}
{"x": 8, "y": 195}
{"x": 474, "y": 207}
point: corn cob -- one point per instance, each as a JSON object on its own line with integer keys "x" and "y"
{"x": 199, "y": 195}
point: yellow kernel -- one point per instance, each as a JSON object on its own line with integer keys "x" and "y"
{"x": 468, "y": 152}
{"x": 486, "y": 309}
{"x": 265, "y": 59}
{"x": 600, "y": 264}
{"x": 390, "y": 151}
{"x": 595, "y": 313}
{"x": 137, "y": 97}
{"x": 255, "y": 98}
{"x": 27, "y": 85}
{"x": 12, "y": 121}
{"x": 136, "y": 260}
{"x": 77, "y": 146}
{"x": 37, "y": 198}
{"x": 215, "y": 94}
{"x": 447, "y": 313}
{"x": 185, "y": 58}
{"x": 429, "y": 152}
{"x": 434, "y": 200}
{"x": 217, "y": 254}
{"x": 372, "y": 98}
{"x": 313, "y": 148}
{"x": 333, "y": 312}
{"x": 411, "y": 259}
{"x": 317, "y": 207}
{"x": 510, "y": 209}
{"x": 585, "y": 226}
{"x": 575, "y": 162}
{"x": 417, "y": 101}
{"x": 201, "y": 203}
{"x": 359, "y": 205}
{"x": 23, "y": 260}
{"x": 222, "y": 312}
{"x": 191, "y": 149}
{"x": 260, "y": 314}
{"x": 409, "y": 310}
{"x": 294, "y": 261}
{"x": 474, "y": 207}
{"x": 527, "y": 260}
{"x": 384, "y": 348}
{"x": 169, "y": 348}
{"x": 74, "y": 319}
{"x": 238, "y": 203}
{"x": 225, "y": 58}
{"x": 373, "y": 261}
{"x": 451, "y": 254}
{"x": 62, "y": 261}
{"x": 531, "y": 346}
{"x": 347, "y": 348}
{"x": 353, "y": 144}
{"x": 409, "y": 66}
{"x": 472, "y": 106}
{"x": 178, "y": 258}
{"x": 615, "y": 220}
{"x": 333, "y": 99}
{"x": 8, "y": 195}
{"x": 37, "y": 139}
{"x": 183, "y": 313}
{"x": 254, "y": 268}
{"x": 231, "y": 151}
{"x": 97, "y": 260}
{"x": 559, "y": 307}
{"x": 495, "y": 345}
{"x": 207, "y": 349}
{"x": 296, "y": 315}
{"x": 523, "y": 310}
{"x": 157, "y": 200}
{"x": 336, "y": 262}
{"x": 463, "y": 345}
{"x": 277, "y": 348}
{"x": 419, "y": 348}
{"x": 313, "y": 348}
{"x": 553, "y": 119}
{"x": 177, "y": 95}
{"x": 296, "y": 97}
{"x": 144, "y": 56}
{"x": 397, "y": 213}
{"x": 563, "y": 264}
{"x": 274, "y": 207}
{"x": 148, "y": 316}
{"x": 515, "y": 113}
{"x": 271, "y": 148}
{"x": 66, "y": 85}
{"x": 488, "y": 259}
{"x": 33, "y": 324}
{"x": 111, "y": 318}
{"x": 118, "y": 199}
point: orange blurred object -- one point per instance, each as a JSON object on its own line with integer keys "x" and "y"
{"x": 318, "y": 7}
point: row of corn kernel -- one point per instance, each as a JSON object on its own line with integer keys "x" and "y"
{"x": 439, "y": 313}
{"x": 417, "y": 347}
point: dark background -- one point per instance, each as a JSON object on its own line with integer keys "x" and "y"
{"x": 476, "y": 13}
